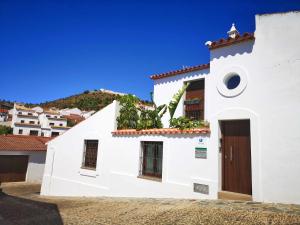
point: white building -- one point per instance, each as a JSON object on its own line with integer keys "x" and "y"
{"x": 3, "y": 115}
{"x": 26, "y": 121}
{"x": 22, "y": 158}
{"x": 249, "y": 92}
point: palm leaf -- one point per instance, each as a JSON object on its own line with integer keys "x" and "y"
{"x": 176, "y": 99}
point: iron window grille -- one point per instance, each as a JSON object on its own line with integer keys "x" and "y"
{"x": 151, "y": 159}
{"x": 90, "y": 154}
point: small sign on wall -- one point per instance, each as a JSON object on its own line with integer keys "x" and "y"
{"x": 201, "y": 153}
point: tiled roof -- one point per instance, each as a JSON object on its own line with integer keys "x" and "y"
{"x": 230, "y": 41}
{"x": 23, "y": 143}
{"x": 161, "y": 131}
{"x": 75, "y": 118}
{"x": 3, "y": 111}
{"x": 176, "y": 72}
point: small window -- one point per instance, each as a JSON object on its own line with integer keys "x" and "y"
{"x": 34, "y": 133}
{"x": 22, "y": 121}
{"x": 152, "y": 155}
{"x": 55, "y": 117}
{"x": 29, "y": 114}
{"x": 47, "y": 116}
{"x": 20, "y": 113}
{"x": 54, "y": 134}
{"x": 51, "y": 124}
{"x": 233, "y": 81}
{"x": 31, "y": 122}
{"x": 20, "y": 131}
{"x": 42, "y": 134}
{"x": 61, "y": 124}
{"x": 90, "y": 154}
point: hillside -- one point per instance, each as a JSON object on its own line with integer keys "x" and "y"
{"x": 88, "y": 100}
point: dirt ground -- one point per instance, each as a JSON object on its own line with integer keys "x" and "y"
{"x": 21, "y": 204}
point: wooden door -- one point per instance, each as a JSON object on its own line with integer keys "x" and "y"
{"x": 13, "y": 168}
{"x": 236, "y": 156}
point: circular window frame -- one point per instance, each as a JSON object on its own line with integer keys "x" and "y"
{"x": 225, "y": 74}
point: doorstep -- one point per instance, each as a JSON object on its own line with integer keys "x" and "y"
{"x": 227, "y": 195}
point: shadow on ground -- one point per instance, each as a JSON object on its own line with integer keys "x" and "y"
{"x": 21, "y": 211}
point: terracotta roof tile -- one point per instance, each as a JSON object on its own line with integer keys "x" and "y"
{"x": 161, "y": 131}
{"x": 230, "y": 41}
{"x": 181, "y": 71}
{"x": 23, "y": 143}
{"x": 3, "y": 111}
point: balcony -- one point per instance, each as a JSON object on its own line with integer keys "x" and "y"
{"x": 60, "y": 127}
{"x": 28, "y": 116}
{"x": 27, "y": 125}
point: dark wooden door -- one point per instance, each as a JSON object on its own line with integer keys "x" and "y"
{"x": 13, "y": 168}
{"x": 236, "y": 156}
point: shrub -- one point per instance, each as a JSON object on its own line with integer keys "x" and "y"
{"x": 128, "y": 118}
{"x": 186, "y": 123}
{"x": 5, "y": 130}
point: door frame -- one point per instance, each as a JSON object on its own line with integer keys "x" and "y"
{"x": 236, "y": 113}
{"x": 223, "y": 156}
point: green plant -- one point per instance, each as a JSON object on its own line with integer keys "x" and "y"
{"x": 151, "y": 118}
{"x": 128, "y": 118}
{"x": 176, "y": 99}
{"x": 186, "y": 123}
{"x": 5, "y": 130}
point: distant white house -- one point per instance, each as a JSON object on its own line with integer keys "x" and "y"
{"x": 249, "y": 92}
{"x": 26, "y": 121}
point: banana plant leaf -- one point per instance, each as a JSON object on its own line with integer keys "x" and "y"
{"x": 176, "y": 99}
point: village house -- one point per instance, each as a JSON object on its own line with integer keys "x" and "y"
{"x": 37, "y": 122}
{"x": 248, "y": 92}
{"x": 22, "y": 158}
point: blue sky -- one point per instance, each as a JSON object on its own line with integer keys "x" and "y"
{"x": 53, "y": 49}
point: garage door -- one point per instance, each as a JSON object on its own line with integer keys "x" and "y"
{"x": 13, "y": 168}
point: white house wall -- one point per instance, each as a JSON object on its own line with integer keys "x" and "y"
{"x": 36, "y": 164}
{"x": 164, "y": 90}
{"x": 269, "y": 97}
{"x": 118, "y": 163}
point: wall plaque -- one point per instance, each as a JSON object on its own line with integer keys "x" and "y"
{"x": 201, "y": 153}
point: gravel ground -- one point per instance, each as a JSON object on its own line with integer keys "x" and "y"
{"x": 21, "y": 204}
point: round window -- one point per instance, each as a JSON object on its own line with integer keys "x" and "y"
{"x": 232, "y": 81}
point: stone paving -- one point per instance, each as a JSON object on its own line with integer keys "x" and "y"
{"x": 23, "y": 205}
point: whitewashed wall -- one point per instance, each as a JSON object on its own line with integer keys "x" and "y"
{"x": 36, "y": 164}
{"x": 118, "y": 163}
{"x": 164, "y": 90}
{"x": 270, "y": 68}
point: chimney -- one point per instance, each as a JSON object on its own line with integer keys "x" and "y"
{"x": 232, "y": 33}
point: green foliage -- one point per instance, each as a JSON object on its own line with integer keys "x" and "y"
{"x": 151, "y": 118}
{"x": 128, "y": 118}
{"x": 5, "y": 130}
{"x": 186, "y": 123}
{"x": 71, "y": 123}
{"x": 176, "y": 99}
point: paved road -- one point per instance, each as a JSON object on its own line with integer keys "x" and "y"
{"x": 22, "y": 205}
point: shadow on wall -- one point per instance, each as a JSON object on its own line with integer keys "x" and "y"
{"x": 232, "y": 50}
{"x": 15, "y": 210}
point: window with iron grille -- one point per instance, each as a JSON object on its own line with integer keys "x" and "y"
{"x": 151, "y": 159}
{"x": 90, "y": 154}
